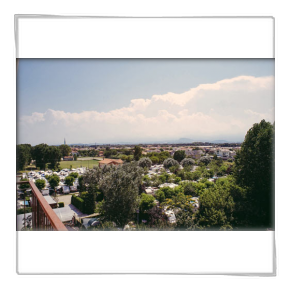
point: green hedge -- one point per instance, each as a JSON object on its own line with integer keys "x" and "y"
{"x": 61, "y": 204}
{"x": 78, "y": 202}
{"x": 21, "y": 210}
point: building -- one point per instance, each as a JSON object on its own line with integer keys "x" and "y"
{"x": 68, "y": 158}
{"x": 195, "y": 154}
{"x": 112, "y": 162}
{"x": 223, "y": 153}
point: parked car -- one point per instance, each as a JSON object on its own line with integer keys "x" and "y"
{"x": 45, "y": 192}
{"x": 66, "y": 189}
{"x": 73, "y": 188}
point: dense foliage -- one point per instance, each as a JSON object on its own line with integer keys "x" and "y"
{"x": 179, "y": 156}
{"x": 78, "y": 202}
{"x": 69, "y": 180}
{"x": 40, "y": 184}
{"x": 65, "y": 150}
{"x": 137, "y": 152}
{"x": 255, "y": 171}
{"x": 145, "y": 162}
{"x": 54, "y": 180}
{"x": 146, "y": 202}
{"x": 188, "y": 162}
{"x": 23, "y": 156}
{"x": 120, "y": 198}
{"x": 169, "y": 162}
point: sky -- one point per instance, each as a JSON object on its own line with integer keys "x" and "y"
{"x": 141, "y": 100}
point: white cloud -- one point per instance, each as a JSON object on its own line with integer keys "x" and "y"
{"x": 225, "y": 109}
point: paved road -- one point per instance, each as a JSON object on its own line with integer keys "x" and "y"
{"x": 64, "y": 198}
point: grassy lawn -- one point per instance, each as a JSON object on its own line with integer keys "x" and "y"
{"x": 77, "y": 164}
{"x": 85, "y": 162}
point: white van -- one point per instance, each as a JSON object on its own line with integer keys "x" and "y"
{"x": 45, "y": 192}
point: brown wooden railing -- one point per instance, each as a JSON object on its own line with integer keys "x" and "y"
{"x": 43, "y": 216}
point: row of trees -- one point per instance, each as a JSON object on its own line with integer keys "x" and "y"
{"x": 42, "y": 154}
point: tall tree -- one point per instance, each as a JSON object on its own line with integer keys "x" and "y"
{"x": 121, "y": 188}
{"x": 137, "y": 152}
{"x": 39, "y": 154}
{"x": 65, "y": 150}
{"x": 23, "y": 156}
{"x": 255, "y": 171}
{"x": 53, "y": 156}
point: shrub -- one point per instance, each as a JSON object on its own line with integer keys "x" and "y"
{"x": 204, "y": 161}
{"x": 146, "y": 202}
{"x": 21, "y": 210}
{"x": 74, "y": 174}
{"x": 168, "y": 163}
{"x": 188, "y": 162}
{"x": 145, "y": 162}
{"x": 61, "y": 204}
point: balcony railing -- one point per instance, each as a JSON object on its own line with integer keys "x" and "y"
{"x": 43, "y": 216}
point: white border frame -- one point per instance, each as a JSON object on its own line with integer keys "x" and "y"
{"x": 257, "y": 258}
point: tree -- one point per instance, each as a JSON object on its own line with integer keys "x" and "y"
{"x": 188, "y": 162}
{"x": 179, "y": 156}
{"x": 40, "y": 184}
{"x": 81, "y": 183}
{"x": 23, "y": 156}
{"x": 204, "y": 160}
{"x": 254, "y": 170}
{"x": 53, "y": 155}
{"x": 121, "y": 188}
{"x": 170, "y": 163}
{"x": 39, "y": 154}
{"x": 65, "y": 150}
{"x": 54, "y": 181}
{"x": 137, "y": 152}
{"x": 69, "y": 180}
{"x": 75, "y": 157}
{"x": 74, "y": 174}
{"x": 145, "y": 163}
{"x": 93, "y": 176}
{"x": 154, "y": 159}
{"x": 216, "y": 208}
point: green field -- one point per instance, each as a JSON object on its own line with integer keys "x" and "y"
{"x": 78, "y": 164}
{"x": 66, "y": 165}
